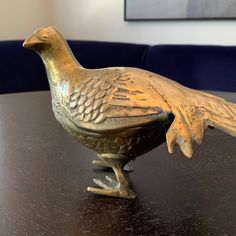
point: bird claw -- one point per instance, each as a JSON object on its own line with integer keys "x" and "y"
{"x": 127, "y": 167}
{"x": 101, "y": 163}
{"x": 111, "y": 183}
{"x": 106, "y": 192}
{"x": 112, "y": 188}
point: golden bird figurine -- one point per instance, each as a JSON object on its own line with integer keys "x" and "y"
{"x": 123, "y": 112}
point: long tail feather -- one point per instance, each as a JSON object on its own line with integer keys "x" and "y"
{"x": 220, "y": 113}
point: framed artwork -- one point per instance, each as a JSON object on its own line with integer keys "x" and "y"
{"x": 179, "y": 9}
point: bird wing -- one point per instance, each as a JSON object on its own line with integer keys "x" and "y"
{"x": 110, "y": 96}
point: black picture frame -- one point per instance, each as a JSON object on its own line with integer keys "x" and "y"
{"x": 134, "y": 13}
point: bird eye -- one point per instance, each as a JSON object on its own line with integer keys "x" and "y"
{"x": 45, "y": 36}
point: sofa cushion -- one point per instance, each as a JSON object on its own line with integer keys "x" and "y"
{"x": 199, "y": 67}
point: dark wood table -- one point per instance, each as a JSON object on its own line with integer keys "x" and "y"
{"x": 44, "y": 174}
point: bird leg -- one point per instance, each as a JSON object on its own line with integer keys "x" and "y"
{"x": 101, "y": 163}
{"x": 105, "y": 164}
{"x": 118, "y": 187}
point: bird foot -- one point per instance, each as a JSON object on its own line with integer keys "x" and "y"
{"x": 101, "y": 163}
{"x": 112, "y": 188}
{"x": 127, "y": 167}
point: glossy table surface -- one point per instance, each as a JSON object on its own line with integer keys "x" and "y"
{"x": 44, "y": 174}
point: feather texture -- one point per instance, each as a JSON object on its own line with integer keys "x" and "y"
{"x": 91, "y": 100}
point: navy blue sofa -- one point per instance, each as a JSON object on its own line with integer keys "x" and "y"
{"x": 199, "y": 67}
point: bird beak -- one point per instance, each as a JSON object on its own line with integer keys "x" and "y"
{"x": 31, "y": 41}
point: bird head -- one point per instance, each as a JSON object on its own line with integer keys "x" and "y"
{"x": 43, "y": 39}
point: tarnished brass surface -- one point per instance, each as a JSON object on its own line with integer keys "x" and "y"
{"x": 122, "y": 112}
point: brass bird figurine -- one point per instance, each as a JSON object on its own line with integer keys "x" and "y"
{"x": 123, "y": 112}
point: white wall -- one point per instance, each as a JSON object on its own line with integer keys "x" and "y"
{"x": 19, "y": 17}
{"x": 103, "y": 20}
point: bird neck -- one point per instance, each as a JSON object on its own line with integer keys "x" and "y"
{"x": 59, "y": 62}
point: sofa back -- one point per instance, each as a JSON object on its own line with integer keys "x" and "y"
{"x": 22, "y": 69}
{"x": 199, "y": 67}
